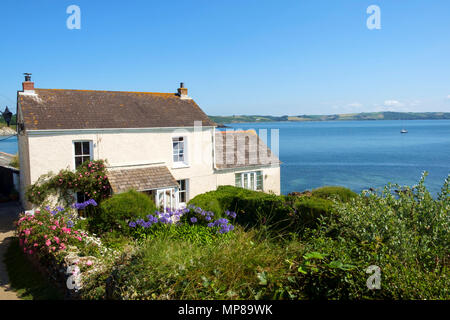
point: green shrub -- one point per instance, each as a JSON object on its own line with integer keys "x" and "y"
{"x": 405, "y": 234}
{"x": 327, "y": 192}
{"x": 253, "y": 208}
{"x": 309, "y": 211}
{"x": 116, "y": 211}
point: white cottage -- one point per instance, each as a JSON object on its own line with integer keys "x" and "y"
{"x": 162, "y": 144}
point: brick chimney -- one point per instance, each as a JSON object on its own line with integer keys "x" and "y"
{"x": 28, "y": 85}
{"x": 182, "y": 91}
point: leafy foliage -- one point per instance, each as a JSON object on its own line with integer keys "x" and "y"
{"x": 90, "y": 178}
{"x": 329, "y": 192}
{"x": 117, "y": 211}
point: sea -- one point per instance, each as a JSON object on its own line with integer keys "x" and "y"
{"x": 355, "y": 154}
{"x": 359, "y": 154}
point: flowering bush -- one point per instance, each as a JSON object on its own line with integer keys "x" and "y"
{"x": 53, "y": 231}
{"x": 47, "y": 231}
{"x": 191, "y": 216}
{"x": 89, "y": 178}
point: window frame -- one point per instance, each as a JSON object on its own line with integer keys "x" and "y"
{"x": 240, "y": 177}
{"x": 185, "y": 161}
{"x": 91, "y": 149}
{"x": 185, "y": 191}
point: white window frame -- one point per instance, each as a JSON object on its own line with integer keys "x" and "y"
{"x": 255, "y": 177}
{"x": 186, "y": 192}
{"x": 184, "y": 163}
{"x": 91, "y": 151}
{"x": 173, "y": 196}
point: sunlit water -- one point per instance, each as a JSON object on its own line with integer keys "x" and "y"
{"x": 360, "y": 154}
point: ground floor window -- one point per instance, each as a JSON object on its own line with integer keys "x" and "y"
{"x": 249, "y": 180}
{"x": 182, "y": 191}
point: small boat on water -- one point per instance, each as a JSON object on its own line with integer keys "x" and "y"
{"x": 404, "y": 131}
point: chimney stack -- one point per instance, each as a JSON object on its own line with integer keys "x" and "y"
{"x": 28, "y": 85}
{"x": 182, "y": 91}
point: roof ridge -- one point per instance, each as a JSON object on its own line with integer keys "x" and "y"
{"x": 89, "y": 90}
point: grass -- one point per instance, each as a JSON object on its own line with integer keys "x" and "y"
{"x": 239, "y": 267}
{"x": 27, "y": 282}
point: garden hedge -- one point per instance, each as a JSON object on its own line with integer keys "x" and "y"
{"x": 117, "y": 211}
{"x": 255, "y": 208}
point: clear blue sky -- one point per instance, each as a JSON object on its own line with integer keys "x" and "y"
{"x": 237, "y": 57}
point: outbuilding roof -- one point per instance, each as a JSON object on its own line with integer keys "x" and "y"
{"x": 141, "y": 179}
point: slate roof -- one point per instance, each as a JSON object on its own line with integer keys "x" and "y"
{"x": 239, "y": 149}
{"x": 89, "y": 109}
{"x": 141, "y": 179}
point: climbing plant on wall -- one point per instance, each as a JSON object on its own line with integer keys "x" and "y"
{"x": 90, "y": 178}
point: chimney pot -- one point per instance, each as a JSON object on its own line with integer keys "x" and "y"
{"x": 182, "y": 91}
{"x": 28, "y": 85}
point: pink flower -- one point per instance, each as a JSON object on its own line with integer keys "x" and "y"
{"x": 48, "y": 243}
{"x": 53, "y": 248}
{"x": 27, "y": 232}
{"x": 89, "y": 263}
{"x": 56, "y": 239}
{"x": 62, "y": 246}
{"x": 36, "y": 245}
{"x": 79, "y": 238}
{"x": 45, "y": 236}
{"x": 30, "y": 251}
{"x": 53, "y": 227}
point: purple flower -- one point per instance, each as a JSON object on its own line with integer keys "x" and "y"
{"x": 132, "y": 224}
{"x": 193, "y": 219}
{"x": 82, "y": 205}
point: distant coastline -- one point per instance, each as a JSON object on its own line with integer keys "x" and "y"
{"x": 386, "y": 115}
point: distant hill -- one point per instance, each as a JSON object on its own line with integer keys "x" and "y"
{"x": 388, "y": 115}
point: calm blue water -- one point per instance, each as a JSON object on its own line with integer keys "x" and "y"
{"x": 9, "y": 145}
{"x": 355, "y": 154}
{"x": 360, "y": 154}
